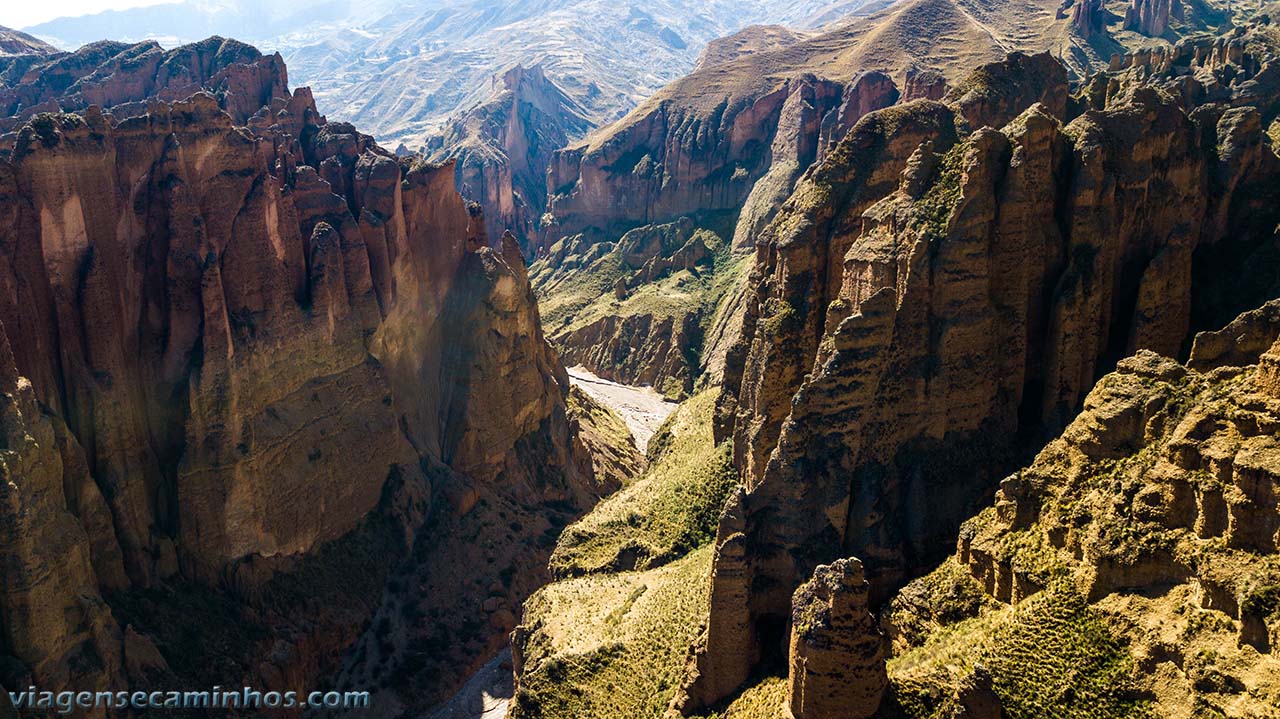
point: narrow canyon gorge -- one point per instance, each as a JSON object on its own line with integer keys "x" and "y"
{"x": 918, "y": 362}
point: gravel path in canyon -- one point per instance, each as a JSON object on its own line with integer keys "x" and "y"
{"x": 486, "y": 695}
{"x": 642, "y": 408}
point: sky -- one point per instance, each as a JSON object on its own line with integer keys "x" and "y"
{"x": 24, "y": 13}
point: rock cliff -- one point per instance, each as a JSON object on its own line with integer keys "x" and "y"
{"x": 126, "y": 76}
{"x": 725, "y": 146}
{"x": 836, "y": 654}
{"x": 502, "y": 148}
{"x": 943, "y": 287}
{"x": 1152, "y": 520}
{"x": 1151, "y": 17}
{"x": 241, "y": 336}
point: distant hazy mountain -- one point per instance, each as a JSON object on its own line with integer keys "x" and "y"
{"x": 401, "y": 69}
{"x": 191, "y": 20}
{"x": 405, "y": 80}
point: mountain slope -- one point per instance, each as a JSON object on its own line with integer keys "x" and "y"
{"x": 938, "y": 293}
{"x": 401, "y": 69}
{"x": 13, "y": 42}
{"x": 1171, "y": 583}
{"x": 724, "y": 146}
{"x": 124, "y": 77}
{"x": 607, "y": 64}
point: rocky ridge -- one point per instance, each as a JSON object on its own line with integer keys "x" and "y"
{"x": 1155, "y": 509}
{"x": 125, "y": 77}
{"x": 13, "y": 42}
{"x": 933, "y": 291}
{"x": 724, "y": 148}
{"x": 502, "y": 147}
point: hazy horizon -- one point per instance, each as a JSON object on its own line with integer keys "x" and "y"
{"x": 21, "y": 16}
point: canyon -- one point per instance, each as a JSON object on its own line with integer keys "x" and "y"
{"x": 921, "y": 365}
{"x": 718, "y": 152}
{"x": 933, "y": 301}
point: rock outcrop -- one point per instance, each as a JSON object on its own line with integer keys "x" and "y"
{"x": 1156, "y": 510}
{"x": 239, "y": 335}
{"x": 124, "y": 78}
{"x": 502, "y": 147}
{"x": 927, "y": 296}
{"x": 836, "y": 653}
{"x": 1151, "y": 17}
{"x": 1088, "y": 18}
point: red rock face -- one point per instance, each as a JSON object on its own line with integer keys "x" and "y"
{"x": 1151, "y": 17}
{"x": 671, "y": 160}
{"x": 502, "y": 149}
{"x": 123, "y": 78}
{"x": 253, "y": 335}
{"x": 925, "y": 296}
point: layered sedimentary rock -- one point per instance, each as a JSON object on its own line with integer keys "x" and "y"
{"x": 836, "y": 652}
{"x": 929, "y": 294}
{"x": 237, "y": 345}
{"x": 124, "y": 77}
{"x": 502, "y": 148}
{"x": 1155, "y": 513}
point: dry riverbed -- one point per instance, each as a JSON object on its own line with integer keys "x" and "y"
{"x": 642, "y": 408}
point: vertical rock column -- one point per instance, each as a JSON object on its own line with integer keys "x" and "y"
{"x": 837, "y": 652}
{"x": 1151, "y": 17}
{"x": 1088, "y": 18}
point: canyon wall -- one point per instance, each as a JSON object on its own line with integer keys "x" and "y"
{"x": 947, "y": 284}
{"x": 233, "y": 334}
{"x": 725, "y": 146}
{"x": 1172, "y": 574}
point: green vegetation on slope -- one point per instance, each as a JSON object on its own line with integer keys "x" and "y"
{"x": 614, "y": 456}
{"x": 608, "y": 646}
{"x": 610, "y": 641}
{"x": 637, "y": 310}
{"x": 1051, "y": 657}
{"x": 669, "y": 511}
{"x": 763, "y": 700}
